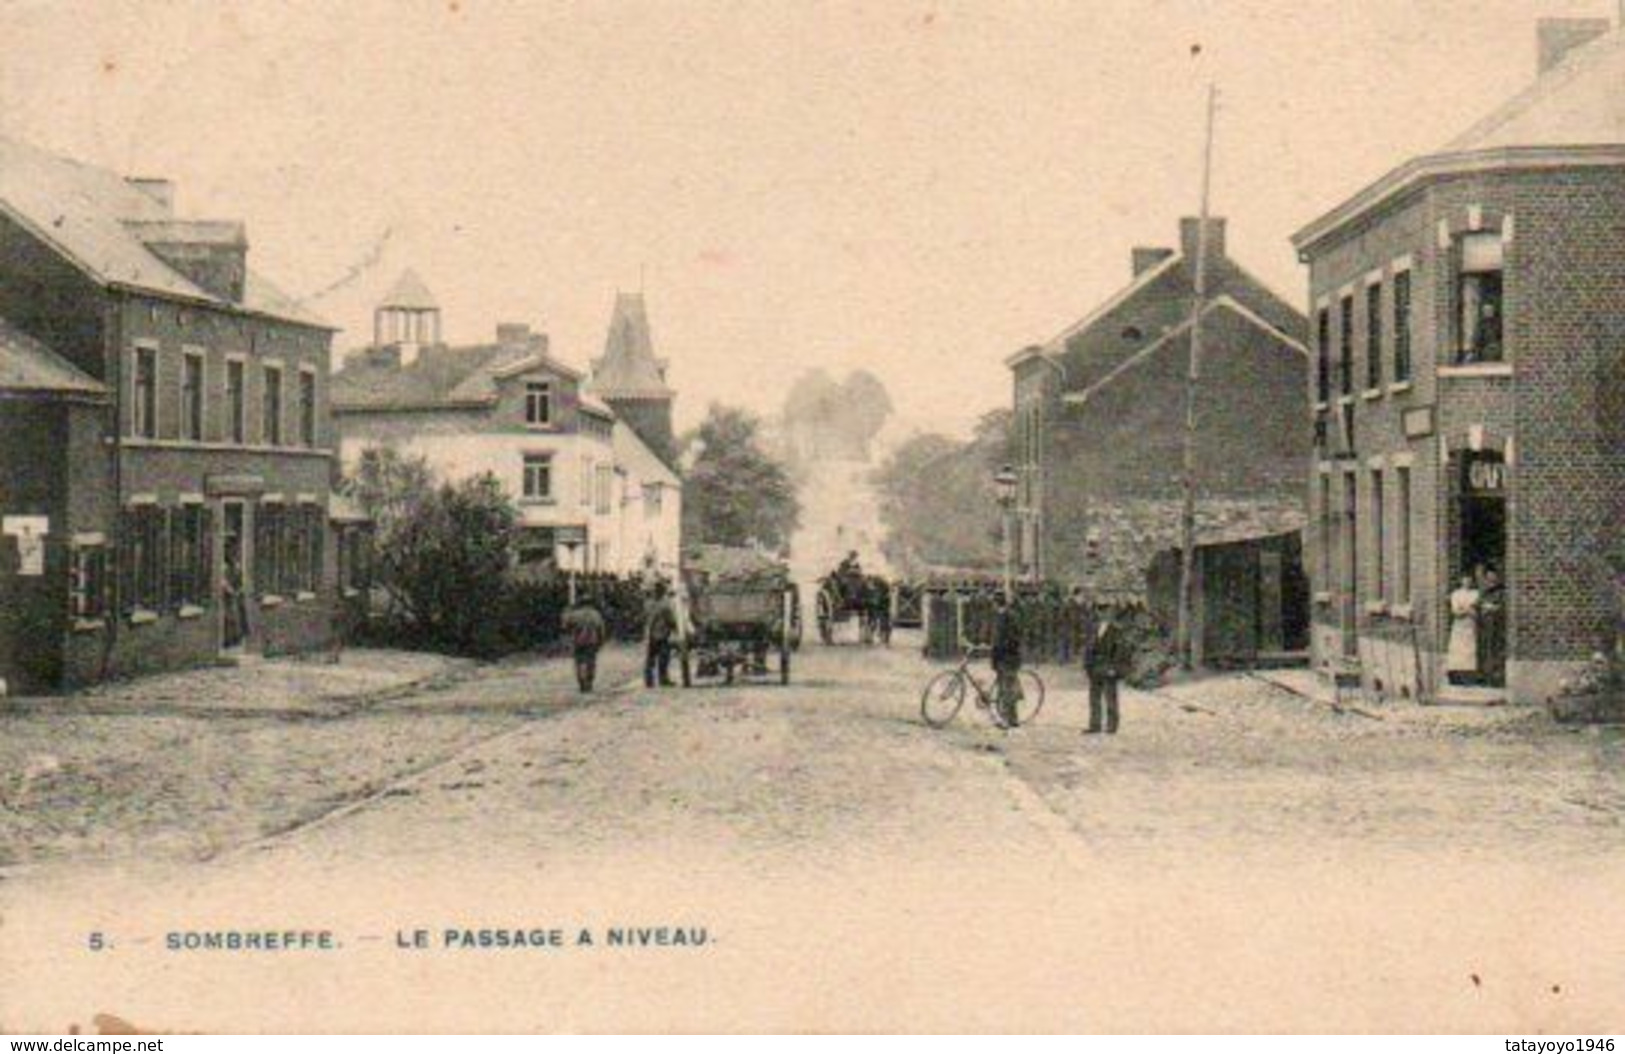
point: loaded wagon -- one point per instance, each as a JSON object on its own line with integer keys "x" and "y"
{"x": 741, "y": 617}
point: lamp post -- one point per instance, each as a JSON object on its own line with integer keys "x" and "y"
{"x": 1004, "y": 488}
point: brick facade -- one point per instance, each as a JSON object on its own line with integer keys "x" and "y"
{"x": 1549, "y": 410}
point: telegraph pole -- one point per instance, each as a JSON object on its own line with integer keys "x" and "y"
{"x": 1193, "y": 377}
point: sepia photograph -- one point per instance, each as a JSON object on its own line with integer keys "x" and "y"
{"x": 812, "y": 516}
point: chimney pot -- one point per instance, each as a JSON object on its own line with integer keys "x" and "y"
{"x": 1189, "y": 229}
{"x": 513, "y": 333}
{"x": 1556, "y": 38}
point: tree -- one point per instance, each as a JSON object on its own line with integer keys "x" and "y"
{"x": 938, "y": 502}
{"x": 442, "y": 552}
{"x": 734, "y": 492}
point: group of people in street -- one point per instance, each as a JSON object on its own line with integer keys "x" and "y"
{"x": 1108, "y": 657}
{"x": 587, "y": 631}
{"x": 1476, "y": 654}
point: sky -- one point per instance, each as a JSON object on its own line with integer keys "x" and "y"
{"x": 915, "y": 188}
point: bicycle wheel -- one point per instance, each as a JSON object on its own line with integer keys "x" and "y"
{"x": 1032, "y": 697}
{"x": 943, "y": 696}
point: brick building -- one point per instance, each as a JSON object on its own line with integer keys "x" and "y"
{"x": 1099, "y": 421}
{"x": 166, "y": 421}
{"x": 592, "y": 494}
{"x": 1469, "y": 327}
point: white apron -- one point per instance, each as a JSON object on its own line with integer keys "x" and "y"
{"x": 1463, "y": 653}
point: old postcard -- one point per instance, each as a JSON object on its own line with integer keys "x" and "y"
{"x": 797, "y": 516}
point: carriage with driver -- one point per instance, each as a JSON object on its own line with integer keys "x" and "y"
{"x": 848, "y": 596}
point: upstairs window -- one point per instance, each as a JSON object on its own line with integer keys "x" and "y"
{"x": 1345, "y": 350}
{"x": 192, "y": 397}
{"x": 1479, "y": 315}
{"x": 272, "y": 406}
{"x": 538, "y": 479}
{"x": 1402, "y": 327}
{"x": 307, "y": 408}
{"x": 539, "y": 403}
{"x": 1373, "y": 335}
{"x": 1323, "y": 352}
{"x": 145, "y": 410}
{"x": 236, "y": 401}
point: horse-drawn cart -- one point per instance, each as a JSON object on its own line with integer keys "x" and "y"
{"x": 741, "y": 611}
{"x": 863, "y": 600}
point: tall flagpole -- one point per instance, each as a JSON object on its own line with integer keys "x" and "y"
{"x": 1188, "y": 650}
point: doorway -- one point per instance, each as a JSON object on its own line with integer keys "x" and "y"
{"x": 1480, "y": 551}
{"x": 234, "y": 585}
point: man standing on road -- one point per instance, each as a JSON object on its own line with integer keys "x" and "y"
{"x": 1108, "y": 657}
{"x": 584, "y": 625}
{"x": 1006, "y": 657}
{"x": 660, "y": 622}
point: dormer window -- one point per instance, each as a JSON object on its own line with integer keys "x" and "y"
{"x": 1479, "y": 305}
{"x": 539, "y": 403}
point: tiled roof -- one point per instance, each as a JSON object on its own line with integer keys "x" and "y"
{"x": 1155, "y": 305}
{"x": 440, "y": 376}
{"x": 1573, "y": 114}
{"x": 629, "y": 368}
{"x": 29, "y": 366}
{"x": 1579, "y": 102}
{"x": 84, "y": 213}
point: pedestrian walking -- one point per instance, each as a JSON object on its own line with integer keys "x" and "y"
{"x": 1006, "y": 658}
{"x": 584, "y": 625}
{"x": 1108, "y": 657}
{"x": 660, "y": 625}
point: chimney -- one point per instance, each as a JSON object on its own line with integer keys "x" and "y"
{"x": 1147, "y": 257}
{"x": 161, "y": 191}
{"x": 212, "y": 254}
{"x": 1188, "y": 230}
{"x": 1555, "y": 38}
{"x": 513, "y": 334}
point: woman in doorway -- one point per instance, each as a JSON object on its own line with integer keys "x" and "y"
{"x": 1461, "y": 660}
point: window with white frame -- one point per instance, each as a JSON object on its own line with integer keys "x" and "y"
{"x": 236, "y": 401}
{"x": 307, "y": 407}
{"x": 271, "y": 407}
{"x": 192, "y": 394}
{"x": 539, "y": 403}
{"x": 190, "y": 556}
{"x": 1373, "y": 335}
{"x": 1402, "y": 326}
{"x": 87, "y": 583}
{"x": 1379, "y": 537}
{"x": 1402, "y": 535}
{"x": 1479, "y": 304}
{"x": 537, "y": 484}
{"x": 144, "y": 409}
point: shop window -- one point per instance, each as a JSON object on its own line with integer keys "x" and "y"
{"x": 190, "y": 556}
{"x": 1479, "y": 301}
{"x": 269, "y": 552}
{"x": 143, "y": 559}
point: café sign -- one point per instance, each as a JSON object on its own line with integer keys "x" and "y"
{"x": 1484, "y": 475}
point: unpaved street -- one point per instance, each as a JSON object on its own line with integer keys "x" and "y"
{"x": 1238, "y": 858}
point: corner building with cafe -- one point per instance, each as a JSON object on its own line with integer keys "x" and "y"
{"x": 1468, "y": 397}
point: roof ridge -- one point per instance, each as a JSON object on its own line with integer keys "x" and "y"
{"x": 1576, "y": 64}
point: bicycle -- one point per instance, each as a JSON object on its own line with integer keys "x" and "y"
{"x": 945, "y": 693}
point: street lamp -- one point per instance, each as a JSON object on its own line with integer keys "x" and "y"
{"x": 1004, "y": 489}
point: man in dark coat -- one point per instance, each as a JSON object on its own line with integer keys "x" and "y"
{"x": 1108, "y": 657}
{"x": 660, "y": 625}
{"x": 1006, "y": 658}
{"x": 585, "y": 627}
